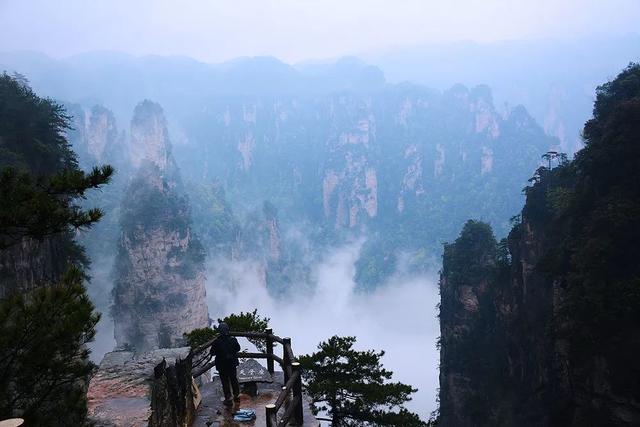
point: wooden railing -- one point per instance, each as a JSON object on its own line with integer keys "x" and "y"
{"x": 290, "y": 398}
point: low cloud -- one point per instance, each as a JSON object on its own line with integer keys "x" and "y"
{"x": 99, "y": 290}
{"x": 399, "y": 317}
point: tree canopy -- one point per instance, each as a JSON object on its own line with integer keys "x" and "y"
{"x": 40, "y": 182}
{"x": 565, "y": 292}
{"x": 352, "y": 387}
{"x": 43, "y": 353}
{"x": 44, "y": 360}
{"x": 251, "y": 321}
{"x": 593, "y": 209}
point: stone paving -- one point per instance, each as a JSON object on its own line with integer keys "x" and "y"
{"x": 212, "y": 413}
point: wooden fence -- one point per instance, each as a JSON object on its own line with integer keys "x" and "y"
{"x": 290, "y": 400}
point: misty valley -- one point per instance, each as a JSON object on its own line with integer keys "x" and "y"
{"x": 383, "y": 253}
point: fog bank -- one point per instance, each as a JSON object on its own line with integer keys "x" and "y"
{"x": 399, "y": 318}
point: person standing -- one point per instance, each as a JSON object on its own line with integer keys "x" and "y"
{"x": 225, "y": 348}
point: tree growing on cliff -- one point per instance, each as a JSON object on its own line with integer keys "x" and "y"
{"x": 530, "y": 329}
{"x": 593, "y": 214}
{"x": 41, "y": 207}
{"x": 43, "y": 355}
{"x": 44, "y": 361}
{"x": 352, "y": 386}
{"x": 40, "y": 182}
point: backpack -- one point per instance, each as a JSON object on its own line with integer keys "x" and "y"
{"x": 225, "y": 351}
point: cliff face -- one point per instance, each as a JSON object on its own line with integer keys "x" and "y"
{"x": 467, "y": 323}
{"x": 499, "y": 362}
{"x": 31, "y": 144}
{"x": 350, "y": 183}
{"x": 150, "y": 138}
{"x": 400, "y": 164}
{"x": 95, "y": 137}
{"x": 151, "y": 389}
{"x": 159, "y": 292}
{"x": 395, "y": 163}
{"x": 505, "y": 356}
{"x": 542, "y": 327}
{"x": 32, "y": 263}
{"x": 350, "y": 160}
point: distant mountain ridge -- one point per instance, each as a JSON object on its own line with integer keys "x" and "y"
{"x": 402, "y": 165}
{"x": 119, "y": 80}
{"x": 330, "y": 145}
{"x": 553, "y": 78}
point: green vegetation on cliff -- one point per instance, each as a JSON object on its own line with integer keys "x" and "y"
{"x": 546, "y": 332}
{"x": 472, "y": 271}
{"x": 44, "y": 361}
{"x": 46, "y": 317}
{"x": 591, "y": 208}
{"x": 40, "y": 182}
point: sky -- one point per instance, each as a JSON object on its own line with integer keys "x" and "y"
{"x": 295, "y": 30}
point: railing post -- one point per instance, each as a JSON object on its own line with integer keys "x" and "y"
{"x": 297, "y": 391}
{"x": 269, "y": 331}
{"x": 286, "y": 362}
{"x": 271, "y": 415}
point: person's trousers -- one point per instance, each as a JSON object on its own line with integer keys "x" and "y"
{"x": 229, "y": 380}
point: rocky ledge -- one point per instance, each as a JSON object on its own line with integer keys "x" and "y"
{"x": 139, "y": 390}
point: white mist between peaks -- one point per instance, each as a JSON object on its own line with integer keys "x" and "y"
{"x": 399, "y": 317}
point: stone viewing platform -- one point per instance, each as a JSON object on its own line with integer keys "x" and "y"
{"x": 173, "y": 387}
{"x": 121, "y": 392}
{"x": 280, "y": 404}
{"x": 212, "y": 413}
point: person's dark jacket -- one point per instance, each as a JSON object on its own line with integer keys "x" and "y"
{"x": 225, "y": 348}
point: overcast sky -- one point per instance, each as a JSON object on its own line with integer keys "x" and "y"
{"x": 294, "y": 30}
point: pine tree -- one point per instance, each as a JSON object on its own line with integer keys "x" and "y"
{"x": 44, "y": 326}
{"x": 353, "y": 388}
{"x": 40, "y": 183}
{"x": 44, "y": 361}
{"x": 251, "y": 321}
